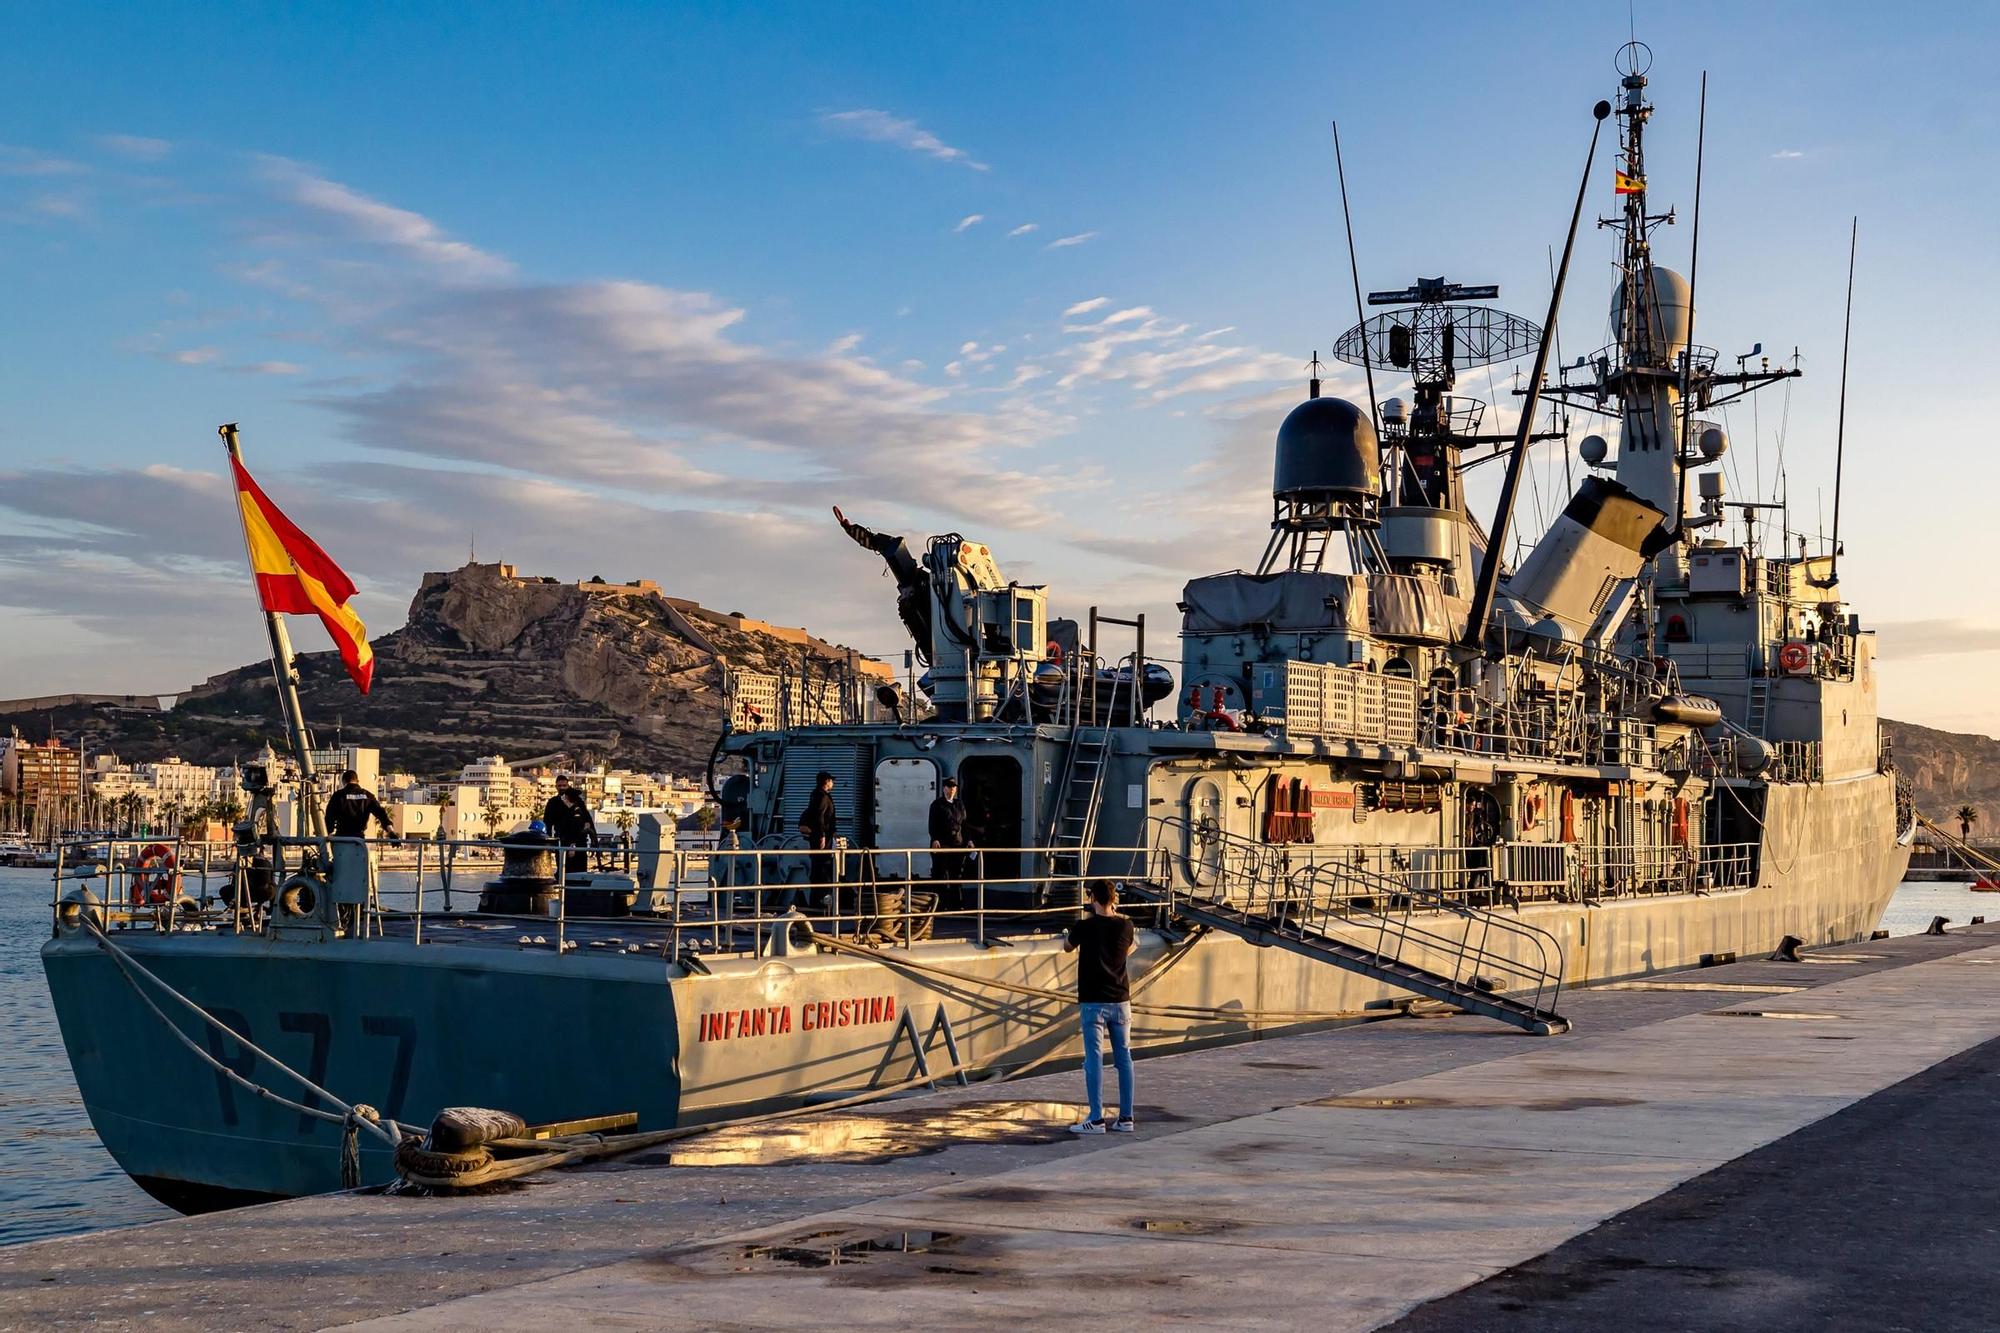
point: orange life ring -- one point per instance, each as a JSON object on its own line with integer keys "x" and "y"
{"x": 1531, "y": 809}
{"x": 157, "y": 878}
{"x": 1794, "y": 657}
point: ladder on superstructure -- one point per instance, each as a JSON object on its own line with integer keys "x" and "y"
{"x": 1074, "y": 821}
{"x": 1758, "y": 713}
{"x": 1378, "y": 926}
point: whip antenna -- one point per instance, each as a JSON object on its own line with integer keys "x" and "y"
{"x": 1840, "y": 431}
{"x": 1354, "y": 271}
{"x": 1489, "y": 568}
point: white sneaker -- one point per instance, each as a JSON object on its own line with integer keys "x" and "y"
{"x": 1086, "y": 1127}
{"x": 1123, "y": 1127}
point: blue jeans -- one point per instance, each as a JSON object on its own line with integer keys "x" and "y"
{"x": 1117, "y": 1018}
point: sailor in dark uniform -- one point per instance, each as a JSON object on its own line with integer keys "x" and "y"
{"x": 348, "y": 813}
{"x": 347, "y": 816}
{"x": 948, "y": 836}
{"x": 568, "y": 816}
{"x": 817, "y": 825}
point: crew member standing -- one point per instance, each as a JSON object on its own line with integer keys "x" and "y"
{"x": 347, "y": 816}
{"x": 1104, "y": 997}
{"x": 947, "y": 838}
{"x": 817, "y": 825}
{"x": 568, "y": 816}
{"x": 348, "y": 813}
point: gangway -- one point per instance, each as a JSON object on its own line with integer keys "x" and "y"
{"x": 1395, "y": 929}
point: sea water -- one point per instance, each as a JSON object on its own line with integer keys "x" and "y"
{"x": 55, "y": 1178}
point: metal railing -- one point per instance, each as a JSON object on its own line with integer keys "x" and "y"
{"x": 1404, "y": 914}
{"x": 704, "y": 899}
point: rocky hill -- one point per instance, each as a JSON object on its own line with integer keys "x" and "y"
{"x": 491, "y": 661}
{"x": 1947, "y": 769}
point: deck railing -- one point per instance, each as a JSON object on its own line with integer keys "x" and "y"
{"x": 702, "y": 899}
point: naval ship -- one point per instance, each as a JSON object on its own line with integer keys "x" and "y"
{"x": 1390, "y": 769}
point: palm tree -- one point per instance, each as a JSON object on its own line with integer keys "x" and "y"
{"x": 704, "y": 818}
{"x": 1966, "y": 816}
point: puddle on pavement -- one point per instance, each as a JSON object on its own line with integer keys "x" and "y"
{"x": 1774, "y": 1013}
{"x": 1474, "y": 1103}
{"x": 831, "y": 1249}
{"x": 1742, "y": 986}
{"x": 1276, "y": 1064}
{"x": 1182, "y": 1226}
{"x": 1842, "y": 957}
{"x": 874, "y": 1137}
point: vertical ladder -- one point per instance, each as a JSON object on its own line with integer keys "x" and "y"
{"x": 1312, "y": 548}
{"x": 1759, "y": 711}
{"x": 1074, "y": 821}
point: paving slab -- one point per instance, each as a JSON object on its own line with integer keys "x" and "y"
{"x": 1376, "y": 1209}
{"x": 1230, "y": 1198}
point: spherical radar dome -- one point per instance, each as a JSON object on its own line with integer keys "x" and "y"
{"x": 1327, "y": 446}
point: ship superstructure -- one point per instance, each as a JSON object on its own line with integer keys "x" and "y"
{"x": 1656, "y": 746}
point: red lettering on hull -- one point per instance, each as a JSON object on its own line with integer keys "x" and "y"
{"x": 812, "y": 1016}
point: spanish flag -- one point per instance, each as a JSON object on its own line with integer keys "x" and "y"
{"x": 295, "y": 577}
{"x": 1629, "y": 184}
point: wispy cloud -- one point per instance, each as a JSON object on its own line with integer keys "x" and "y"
{"x": 1787, "y": 154}
{"x": 267, "y": 368}
{"x": 969, "y": 220}
{"x": 135, "y": 146}
{"x": 879, "y": 126}
{"x": 1085, "y": 307}
{"x": 1025, "y": 228}
{"x": 32, "y": 162}
{"x": 194, "y": 356}
{"x": 373, "y": 222}
{"x": 1064, "y": 242}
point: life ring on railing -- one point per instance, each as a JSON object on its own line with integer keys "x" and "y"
{"x": 156, "y": 879}
{"x": 1794, "y": 658}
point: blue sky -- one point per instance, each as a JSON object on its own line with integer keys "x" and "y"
{"x": 640, "y": 290}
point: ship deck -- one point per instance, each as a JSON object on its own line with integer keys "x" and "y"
{"x": 1784, "y": 1145}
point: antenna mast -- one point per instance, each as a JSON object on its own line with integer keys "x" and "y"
{"x": 1354, "y": 270}
{"x": 1489, "y": 569}
{"x": 1687, "y": 353}
{"x": 1840, "y": 431}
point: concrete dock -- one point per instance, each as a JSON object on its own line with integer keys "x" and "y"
{"x": 1770, "y": 1145}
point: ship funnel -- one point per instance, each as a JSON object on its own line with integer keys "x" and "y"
{"x": 1580, "y": 572}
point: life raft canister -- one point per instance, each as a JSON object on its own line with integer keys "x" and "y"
{"x": 158, "y": 875}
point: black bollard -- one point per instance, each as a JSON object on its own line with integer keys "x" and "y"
{"x": 1788, "y": 950}
{"x": 1937, "y": 925}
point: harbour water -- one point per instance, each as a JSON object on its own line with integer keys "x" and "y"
{"x": 56, "y": 1180}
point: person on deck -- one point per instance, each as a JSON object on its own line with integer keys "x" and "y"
{"x": 568, "y": 816}
{"x": 817, "y": 825}
{"x": 348, "y": 813}
{"x": 947, "y": 838}
{"x": 347, "y": 816}
{"x": 1105, "y": 939}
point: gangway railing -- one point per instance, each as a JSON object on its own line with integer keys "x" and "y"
{"x": 1393, "y": 928}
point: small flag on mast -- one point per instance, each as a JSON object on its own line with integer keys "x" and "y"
{"x": 1630, "y": 184}
{"x": 295, "y": 577}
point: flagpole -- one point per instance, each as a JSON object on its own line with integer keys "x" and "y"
{"x": 284, "y": 673}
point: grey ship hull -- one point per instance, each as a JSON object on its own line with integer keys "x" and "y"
{"x": 413, "y": 1029}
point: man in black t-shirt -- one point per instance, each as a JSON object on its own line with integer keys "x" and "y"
{"x": 1104, "y": 940}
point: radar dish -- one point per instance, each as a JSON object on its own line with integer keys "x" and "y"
{"x": 1433, "y": 341}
